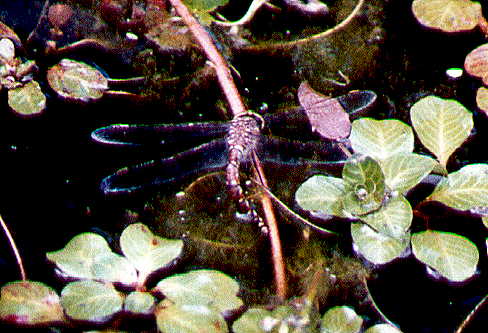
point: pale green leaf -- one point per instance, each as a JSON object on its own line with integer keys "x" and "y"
{"x": 464, "y": 189}
{"x": 320, "y": 193}
{"x": 251, "y": 321}
{"x": 375, "y": 247}
{"x": 382, "y": 328}
{"x": 381, "y": 139}
{"x": 405, "y": 170}
{"x": 202, "y": 287}
{"x": 205, "y": 5}
{"x": 77, "y": 81}
{"x": 485, "y": 221}
{"x": 365, "y": 185}
{"x": 341, "y": 319}
{"x": 453, "y": 256}
{"x": 91, "y": 301}
{"x": 114, "y": 268}
{"x": 146, "y": 251}
{"x": 442, "y": 125}
{"x": 27, "y": 100}
{"x": 76, "y": 259}
{"x": 447, "y": 15}
{"x": 139, "y": 302}
{"x": 393, "y": 219}
{"x": 189, "y": 318}
{"x": 30, "y": 303}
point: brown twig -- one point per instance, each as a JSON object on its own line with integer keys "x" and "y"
{"x": 11, "y": 241}
{"x": 237, "y": 108}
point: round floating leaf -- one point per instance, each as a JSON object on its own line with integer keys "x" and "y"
{"x": 114, "y": 268}
{"x": 30, "y": 303}
{"x": 76, "y": 259}
{"x": 464, "y": 189}
{"x": 485, "y": 221}
{"x": 321, "y": 193}
{"x": 91, "y": 301}
{"x": 381, "y": 139}
{"x": 7, "y": 50}
{"x": 189, "y": 318}
{"x": 27, "y": 100}
{"x": 76, "y": 81}
{"x": 393, "y": 219}
{"x": 376, "y": 247}
{"x": 326, "y": 115}
{"x": 442, "y": 125}
{"x": 139, "y": 303}
{"x": 382, "y": 328}
{"x": 146, "y": 251}
{"x": 405, "y": 170}
{"x": 453, "y": 256}
{"x": 365, "y": 185}
{"x": 447, "y": 15}
{"x": 482, "y": 99}
{"x": 202, "y": 287}
{"x": 476, "y": 63}
{"x": 341, "y": 319}
{"x": 251, "y": 321}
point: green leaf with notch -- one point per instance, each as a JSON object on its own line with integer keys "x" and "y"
{"x": 442, "y": 125}
{"x": 91, "y": 301}
{"x": 365, "y": 185}
{"x": 405, "y": 170}
{"x": 453, "y": 256}
{"x": 341, "y": 319}
{"x": 202, "y": 287}
{"x": 464, "y": 189}
{"x": 146, "y": 251}
{"x": 393, "y": 219}
{"x": 381, "y": 139}
{"x": 27, "y": 100}
{"x": 321, "y": 193}
{"x": 30, "y": 303}
{"x": 376, "y": 247}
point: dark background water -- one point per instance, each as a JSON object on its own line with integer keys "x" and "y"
{"x": 50, "y": 172}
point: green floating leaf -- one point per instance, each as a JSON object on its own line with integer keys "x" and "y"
{"x": 91, "y": 301}
{"x": 382, "y": 328}
{"x": 485, "y": 221}
{"x": 139, "y": 303}
{"x": 405, "y": 170}
{"x": 394, "y": 219}
{"x": 251, "y": 321}
{"x": 202, "y": 287}
{"x": 146, "y": 251}
{"x": 189, "y": 318}
{"x": 376, "y": 247}
{"x": 77, "y": 81}
{"x": 341, "y": 319}
{"x": 453, "y": 256}
{"x": 442, "y": 125}
{"x": 321, "y": 193}
{"x": 381, "y": 139}
{"x": 88, "y": 256}
{"x": 447, "y": 15}
{"x": 260, "y": 320}
{"x": 202, "y": 8}
{"x": 30, "y": 303}
{"x": 464, "y": 189}
{"x": 27, "y": 100}
{"x": 365, "y": 185}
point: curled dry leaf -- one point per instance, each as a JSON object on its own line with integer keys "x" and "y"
{"x": 59, "y": 15}
{"x": 476, "y": 63}
{"x": 6, "y": 32}
{"x": 326, "y": 115}
{"x": 482, "y": 99}
{"x": 447, "y": 15}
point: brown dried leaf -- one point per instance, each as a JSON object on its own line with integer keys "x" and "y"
{"x": 6, "y": 32}
{"x": 326, "y": 115}
{"x": 476, "y": 63}
{"x": 482, "y": 99}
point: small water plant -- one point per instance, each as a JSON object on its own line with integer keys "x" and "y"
{"x": 371, "y": 194}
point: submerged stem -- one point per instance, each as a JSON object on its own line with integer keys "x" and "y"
{"x": 14, "y": 249}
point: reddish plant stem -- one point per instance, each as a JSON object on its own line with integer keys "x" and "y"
{"x": 237, "y": 108}
{"x": 11, "y": 241}
{"x": 222, "y": 69}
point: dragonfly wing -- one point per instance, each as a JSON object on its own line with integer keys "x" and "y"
{"x": 159, "y": 134}
{"x": 149, "y": 175}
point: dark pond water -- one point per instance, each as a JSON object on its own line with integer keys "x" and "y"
{"x": 50, "y": 169}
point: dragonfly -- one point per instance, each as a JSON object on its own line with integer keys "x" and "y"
{"x": 215, "y": 146}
